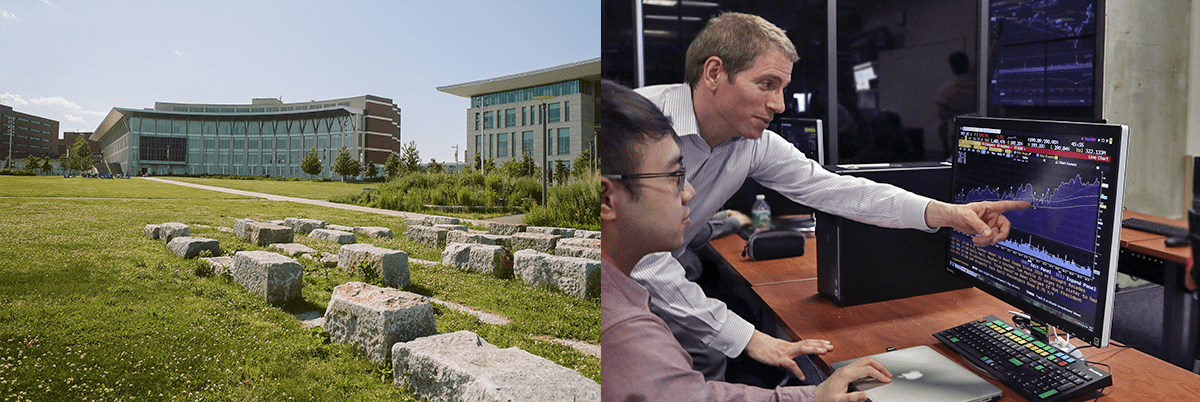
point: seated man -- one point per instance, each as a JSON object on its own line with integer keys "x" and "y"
{"x": 642, "y": 197}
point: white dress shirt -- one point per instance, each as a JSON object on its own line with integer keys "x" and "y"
{"x": 717, "y": 173}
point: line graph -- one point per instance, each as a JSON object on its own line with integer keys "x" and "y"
{"x": 1065, "y": 213}
{"x": 1024, "y": 21}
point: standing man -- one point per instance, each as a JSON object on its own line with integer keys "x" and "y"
{"x": 736, "y": 70}
{"x": 642, "y": 197}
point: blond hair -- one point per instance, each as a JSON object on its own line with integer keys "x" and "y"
{"x": 736, "y": 39}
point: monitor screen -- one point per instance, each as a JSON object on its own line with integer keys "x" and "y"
{"x": 1059, "y": 263}
{"x": 1045, "y": 52}
{"x": 805, "y": 135}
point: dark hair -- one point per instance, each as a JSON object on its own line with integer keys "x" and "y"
{"x": 627, "y": 119}
{"x": 737, "y": 39}
{"x": 959, "y": 63}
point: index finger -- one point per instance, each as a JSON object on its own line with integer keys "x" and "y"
{"x": 1005, "y": 206}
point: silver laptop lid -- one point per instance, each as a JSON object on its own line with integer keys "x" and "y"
{"x": 922, "y": 374}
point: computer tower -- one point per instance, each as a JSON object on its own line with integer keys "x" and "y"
{"x": 859, "y": 263}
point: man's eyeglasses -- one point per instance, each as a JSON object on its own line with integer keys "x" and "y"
{"x": 677, "y": 174}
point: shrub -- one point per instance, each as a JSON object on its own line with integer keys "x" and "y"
{"x": 574, "y": 205}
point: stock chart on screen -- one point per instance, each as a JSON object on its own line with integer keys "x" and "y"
{"x": 1056, "y": 254}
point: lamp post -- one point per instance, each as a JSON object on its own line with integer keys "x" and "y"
{"x": 545, "y": 147}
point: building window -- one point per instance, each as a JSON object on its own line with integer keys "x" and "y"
{"x": 564, "y": 141}
{"x": 510, "y": 117}
{"x": 527, "y": 143}
{"x": 478, "y": 147}
{"x": 502, "y": 138}
{"x": 224, "y": 144}
{"x": 210, "y": 143}
{"x": 523, "y": 116}
{"x": 487, "y": 120}
{"x": 239, "y": 144}
{"x": 476, "y": 121}
{"x": 552, "y": 112}
{"x": 567, "y": 111}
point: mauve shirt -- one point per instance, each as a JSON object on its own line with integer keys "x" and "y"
{"x": 642, "y": 361}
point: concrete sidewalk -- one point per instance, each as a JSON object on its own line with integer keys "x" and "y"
{"x": 322, "y": 203}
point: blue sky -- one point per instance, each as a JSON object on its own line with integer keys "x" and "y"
{"x": 73, "y": 61}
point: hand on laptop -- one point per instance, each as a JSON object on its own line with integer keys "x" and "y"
{"x": 983, "y": 219}
{"x": 834, "y": 389}
{"x": 767, "y": 349}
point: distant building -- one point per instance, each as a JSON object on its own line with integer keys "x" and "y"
{"x": 24, "y": 134}
{"x": 264, "y": 137}
{"x": 505, "y": 119}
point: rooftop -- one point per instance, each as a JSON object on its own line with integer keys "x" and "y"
{"x": 586, "y": 70}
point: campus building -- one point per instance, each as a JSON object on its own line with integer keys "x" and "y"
{"x": 508, "y": 114}
{"x": 264, "y": 137}
{"x": 24, "y": 134}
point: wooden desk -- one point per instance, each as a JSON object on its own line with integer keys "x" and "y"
{"x": 870, "y": 328}
{"x": 1181, "y": 315}
{"x": 789, "y": 288}
{"x": 769, "y": 271}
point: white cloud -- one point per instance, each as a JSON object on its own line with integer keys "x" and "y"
{"x": 75, "y": 119}
{"x": 47, "y": 2}
{"x": 56, "y": 101}
{"x": 94, "y": 113}
{"x": 177, "y": 53}
{"x": 12, "y": 99}
{"x": 6, "y": 14}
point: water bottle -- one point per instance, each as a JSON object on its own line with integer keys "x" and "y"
{"x": 762, "y": 214}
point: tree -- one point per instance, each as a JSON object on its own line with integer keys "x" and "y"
{"x": 489, "y": 165}
{"x": 46, "y": 167}
{"x": 392, "y": 166}
{"x": 8, "y": 163}
{"x": 561, "y": 173}
{"x": 80, "y": 156}
{"x": 410, "y": 161}
{"x": 371, "y": 171}
{"x": 32, "y": 163}
{"x": 344, "y": 165}
{"x": 435, "y": 166}
{"x": 524, "y": 167}
{"x": 583, "y": 168}
{"x": 311, "y": 164}
{"x": 478, "y": 162}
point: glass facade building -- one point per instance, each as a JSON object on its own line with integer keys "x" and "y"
{"x": 552, "y": 111}
{"x": 267, "y": 137}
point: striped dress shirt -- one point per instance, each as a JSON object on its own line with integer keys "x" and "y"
{"x": 718, "y": 172}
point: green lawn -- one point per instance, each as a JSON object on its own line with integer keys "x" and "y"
{"x": 299, "y": 189}
{"x": 92, "y": 309}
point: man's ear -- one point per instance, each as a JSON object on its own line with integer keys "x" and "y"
{"x": 714, "y": 70}
{"x": 608, "y": 210}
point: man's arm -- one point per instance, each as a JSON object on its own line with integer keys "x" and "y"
{"x": 642, "y": 361}
{"x": 683, "y": 303}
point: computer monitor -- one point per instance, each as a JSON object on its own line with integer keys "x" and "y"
{"x": 1045, "y": 57}
{"x": 1059, "y": 263}
{"x": 805, "y": 134}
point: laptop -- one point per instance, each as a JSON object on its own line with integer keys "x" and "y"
{"x": 922, "y": 374}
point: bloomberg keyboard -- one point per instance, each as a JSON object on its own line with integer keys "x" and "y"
{"x": 1039, "y": 372}
{"x": 1154, "y": 227}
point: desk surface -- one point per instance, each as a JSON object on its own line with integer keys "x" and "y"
{"x": 770, "y": 271}
{"x": 789, "y": 287}
{"x": 1152, "y": 244}
{"x": 870, "y": 328}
